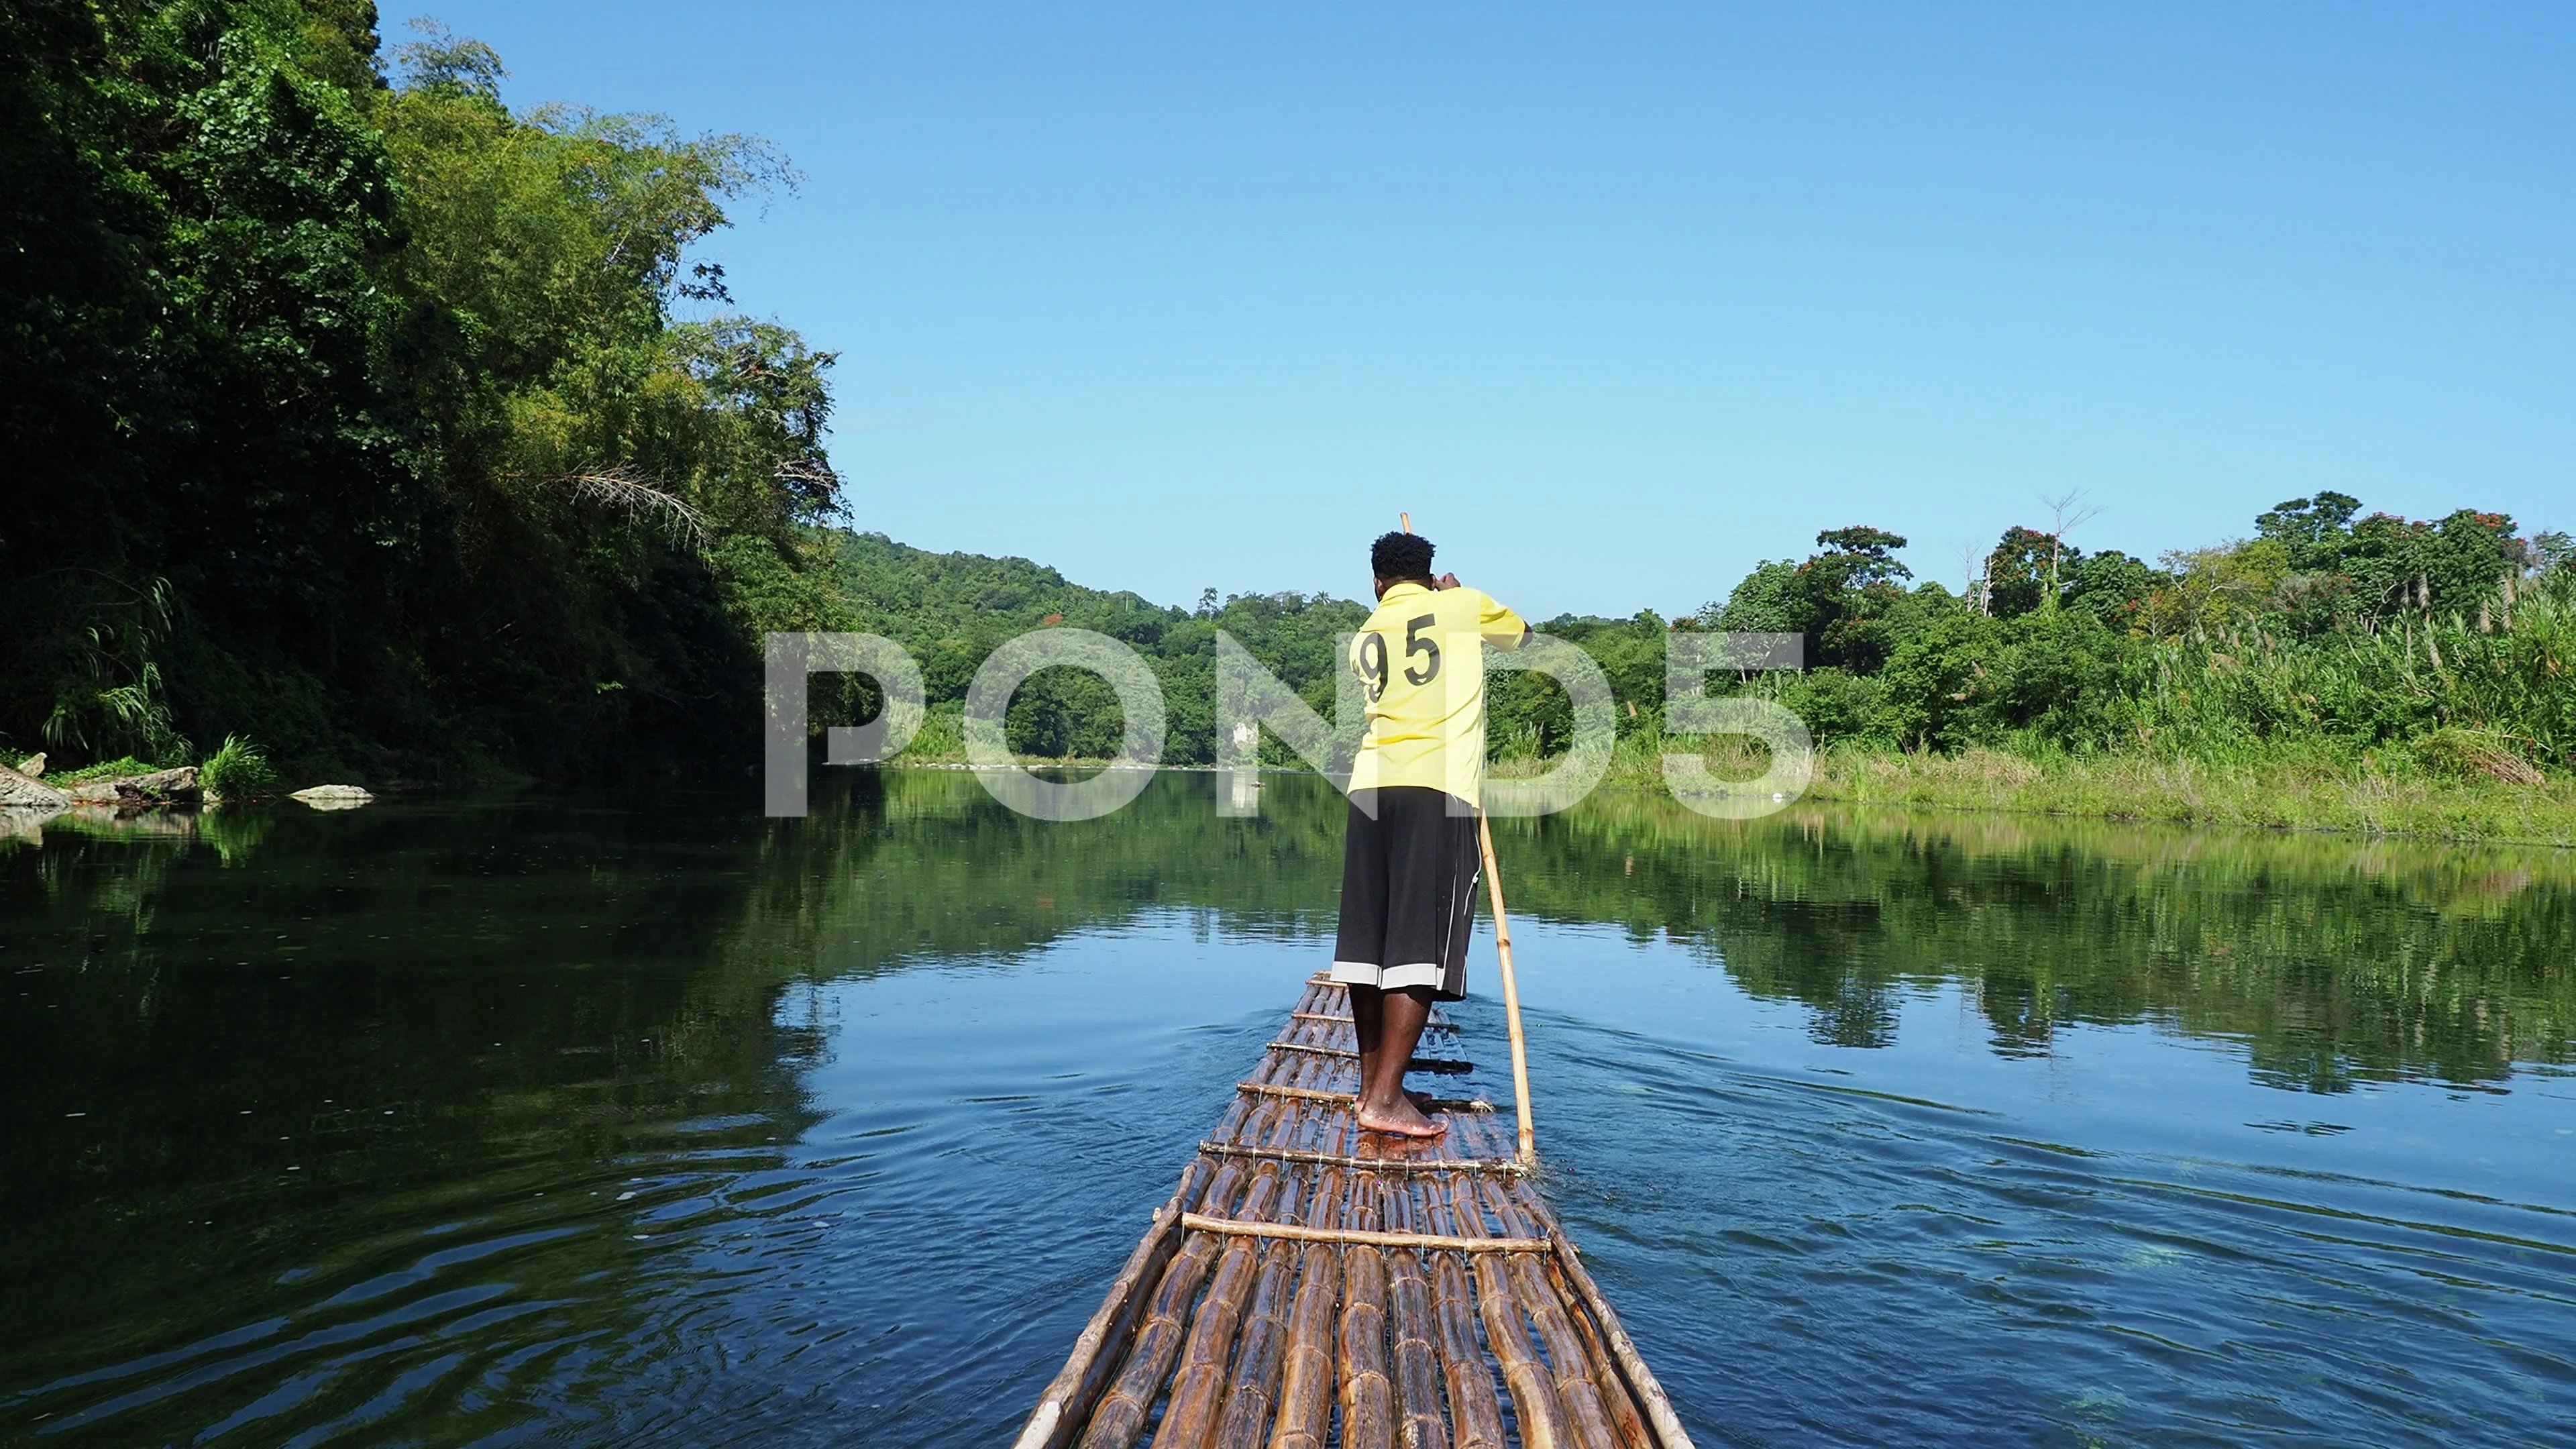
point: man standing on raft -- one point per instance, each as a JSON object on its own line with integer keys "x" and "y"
{"x": 1409, "y": 862}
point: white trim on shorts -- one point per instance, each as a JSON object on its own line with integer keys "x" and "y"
{"x": 1389, "y": 978}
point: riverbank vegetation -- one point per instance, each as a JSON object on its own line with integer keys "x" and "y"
{"x": 2332, "y": 671}
{"x": 359, "y": 415}
{"x": 399, "y": 434}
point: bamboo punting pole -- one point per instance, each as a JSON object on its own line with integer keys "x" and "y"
{"x": 1096, "y": 1352}
{"x": 1511, "y": 988}
{"x": 1586, "y": 1414}
{"x": 1367, "y": 1395}
{"x": 1534, "y": 1401}
{"x": 1669, "y": 1432}
{"x": 1415, "y": 1363}
{"x": 1306, "y": 1384}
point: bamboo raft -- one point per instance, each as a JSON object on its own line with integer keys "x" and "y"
{"x": 1309, "y": 1285}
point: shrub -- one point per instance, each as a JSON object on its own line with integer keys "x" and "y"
{"x": 2066, "y": 677}
{"x": 238, "y": 771}
{"x": 1936, "y": 681}
{"x": 115, "y": 769}
{"x": 1838, "y": 706}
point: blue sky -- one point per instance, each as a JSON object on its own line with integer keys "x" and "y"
{"x": 1619, "y": 301}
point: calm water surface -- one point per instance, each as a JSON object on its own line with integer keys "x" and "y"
{"x": 647, "y": 1121}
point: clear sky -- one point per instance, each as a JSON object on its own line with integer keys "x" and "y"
{"x": 1618, "y": 301}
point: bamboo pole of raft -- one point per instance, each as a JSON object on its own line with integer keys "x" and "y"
{"x": 1511, "y": 990}
{"x": 1625, "y": 1416}
{"x": 1306, "y": 1386}
{"x": 1367, "y": 1394}
{"x": 1627, "y": 1389}
{"x": 1096, "y": 1351}
{"x": 1623, "y": 1349}
{"x": 1363, "y": 1237}
{"x": 1505, "y": 1165}
{"x": 1198, "y": 1387}
{"x": 1534, "y": 1402}
{"x": 1475, "y": 1409}
{"x": 1253, "y": 1390}
{"x": 1120, "y": 1415}
{"x": 1587, "y": 1412}
{"x": 1416, "y": 1363}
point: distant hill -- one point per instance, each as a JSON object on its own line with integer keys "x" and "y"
{"x": 951, "y": 609}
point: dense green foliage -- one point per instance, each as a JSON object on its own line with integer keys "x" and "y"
{"x": 365, "y": 418}
{"x": 358, "y": 414}
{"x": 2318, "y": 635}
{"x": 2452, "y": 638}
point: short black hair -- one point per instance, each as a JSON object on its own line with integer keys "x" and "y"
{"x": 1401, "y": 556}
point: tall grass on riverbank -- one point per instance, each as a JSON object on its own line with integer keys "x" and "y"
{"x": 2282, "y": 790}
{"x": 2503, "y": 676}
{"x": 2275, "y": 787}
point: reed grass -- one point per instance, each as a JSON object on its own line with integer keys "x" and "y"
{"x": 2299, "y": 786}
{"x": 237, "y": 771}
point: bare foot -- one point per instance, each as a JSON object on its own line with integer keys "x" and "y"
{"x": 1404, "y": 1120}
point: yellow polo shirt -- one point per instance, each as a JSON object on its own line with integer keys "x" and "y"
{"x": 1419, "y": 663}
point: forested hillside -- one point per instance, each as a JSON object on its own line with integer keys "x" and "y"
{"x": 951, "y": 609}
{"x": 350, "y": 411}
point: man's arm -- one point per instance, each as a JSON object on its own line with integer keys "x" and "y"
{"x": 1450, "y": 581}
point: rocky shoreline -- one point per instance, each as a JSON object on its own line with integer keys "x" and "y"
{"x": 147, "y": 791}
{"x": 27, "y": 801}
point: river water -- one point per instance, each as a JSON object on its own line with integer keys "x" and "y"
{"x": 647, "y": 1121}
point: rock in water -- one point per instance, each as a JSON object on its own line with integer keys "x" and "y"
{"x": 18, "y": 823}
{"x": 178, "y": 784}
{"x": 159, "y": 787}
{"x": 333, "y": 797}
{"x": 19, "y": 791}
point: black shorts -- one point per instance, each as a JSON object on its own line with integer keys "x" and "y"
{"x": 1409, "y": 871}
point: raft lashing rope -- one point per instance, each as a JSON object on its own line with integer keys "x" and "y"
{"x": 1310, "y": 1285}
